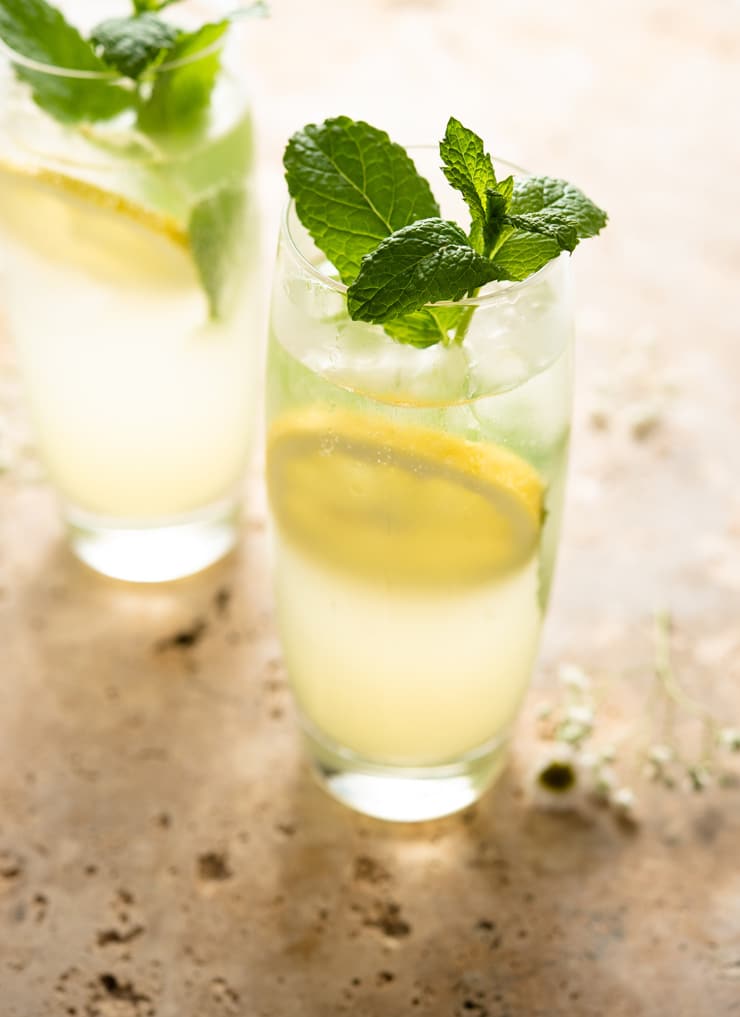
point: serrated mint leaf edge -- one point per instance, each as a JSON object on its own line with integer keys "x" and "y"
{"x": 323, "y": 187}
{"x": 537, "y": 194}
{"x": 469, "y": 169}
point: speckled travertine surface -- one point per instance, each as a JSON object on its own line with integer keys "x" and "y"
{"x": 163, "y": 850}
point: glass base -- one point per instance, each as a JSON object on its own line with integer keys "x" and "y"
{"x": 157, "y": 551}
{"x": 405, "y": 794}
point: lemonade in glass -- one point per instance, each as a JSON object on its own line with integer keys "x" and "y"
{"x": 128, "y": 278}
{"x": 417, "y": 498}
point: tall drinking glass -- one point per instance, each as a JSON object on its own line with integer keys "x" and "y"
{"x": 417, "y": 497}
{"x": 128, "y": 273}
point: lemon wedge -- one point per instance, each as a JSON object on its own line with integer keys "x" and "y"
{"x": 400, "y": 503}
{"x": 80, "y": 223}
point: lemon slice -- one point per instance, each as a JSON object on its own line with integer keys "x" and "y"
{"x": 400, "y": 503}
{"x": 79, "y": 223}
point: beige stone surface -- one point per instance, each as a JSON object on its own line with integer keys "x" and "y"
{"x": 163, "y": 850}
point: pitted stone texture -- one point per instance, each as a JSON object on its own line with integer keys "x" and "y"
{"x": 162, "y": 849}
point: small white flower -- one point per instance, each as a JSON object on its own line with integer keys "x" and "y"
{"x": 576, "y": 726}
{"x": 624, "y": 798}
{"x": 661, "y": 754}
{"x": 580, "y": 714}
{"x": 729, "y": 737}
{"x": 573, "y": 677}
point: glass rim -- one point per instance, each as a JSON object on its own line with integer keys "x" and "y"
{"x": 500, "y": 293}
{"x": 111, "y": 77}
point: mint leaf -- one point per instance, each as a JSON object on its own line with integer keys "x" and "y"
{"x": 131, "y": 45}
{"x": 353, "y": 187}
{"x": 469, "y": 169}
{"x": 548, "y": 223}
{"x": 506, "y": 189}
{"x": 36, "y": 30}
{"x": 539, "y": 194}
{"x": 216, "y": 231}
{"x": 424, "y": 262}
{"x": 146, "y": 6}
{"x": 522, "y": 254}
{"x": 547, "y": 216}
{"x": 181, "y": 94}
{"x": 496, "y": 219}
{"x": 426, "y": 327}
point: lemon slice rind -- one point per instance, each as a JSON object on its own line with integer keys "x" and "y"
{"x": 93, "y": 194}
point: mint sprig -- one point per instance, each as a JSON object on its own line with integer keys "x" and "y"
{"x": 165, "y": 77}
{"x": 375, "y": 219}
{"x": 132, "y": 48}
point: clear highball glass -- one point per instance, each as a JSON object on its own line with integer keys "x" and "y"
{"x": 416, "y": 498}
{"x": 141, "y": 392}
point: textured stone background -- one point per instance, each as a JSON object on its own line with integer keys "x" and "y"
{"x": 162, "y": 850}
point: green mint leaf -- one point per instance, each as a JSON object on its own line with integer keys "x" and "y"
{"x": 152, "y": 6}
{"x": 496, "y": 228}
{"x": 506, "y": 189}
{"x": 522, "y": 254}
{"x": 539, "y": 194}
{"x": 352, "y": 188}
{"x": 546, "y": 216}
{"x": 426, "y": 327}
{"x": 556, "y": 209}
{"x": 422, "y": 263}
{"x": 131, "y": 45}
{"x": 548, "y": 223}
{"x": 36, "y": 30}
{"x": 495, "y": 220}
{"x": 181, "y": 94}
{"x": 216, "y": 230}
{"x": 469, "y": 169}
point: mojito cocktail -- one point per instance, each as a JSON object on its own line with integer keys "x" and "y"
{"x": 127, "y": 279}
{"x": 417, "y": 493}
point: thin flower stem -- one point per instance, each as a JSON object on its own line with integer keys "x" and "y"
{"x": 665, "y": 674}
{"x": 676, "y": 696}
